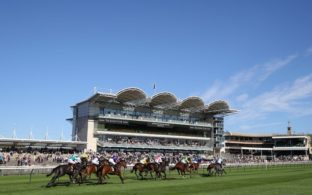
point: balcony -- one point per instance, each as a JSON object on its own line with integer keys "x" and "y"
{"x": 156, "y": 146}
{"x": 219, "y": 132}
{"x": 218, "y": 125}
{"x": 219, "y": 139}
{"x": 154, "y": 120}
{"x": 255, "y": 142}
{"x": 219, "y": 145}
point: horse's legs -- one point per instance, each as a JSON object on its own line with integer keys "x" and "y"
{"x": 99, "y": 175}
{"x": 121, "y": 179}
{"x": 165, "y": 176}
{"x": 140, "y": 173}
{"x": 52, "y": 181}
{"x": 104, "y": 177}
{"x": 135, "y": 172}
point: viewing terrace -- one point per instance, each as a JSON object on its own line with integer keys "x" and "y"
{"x": 155, "y": 119}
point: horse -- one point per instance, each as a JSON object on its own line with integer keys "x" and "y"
{"x": 138, "y": 167}
{"x": 87, "y": 172}
{"x": 219, "y": 170}
{"x": 194, "y": 167}
{"x": 162, "y": 168}
{"x": 105, "y": 169}
{"x": 181, "y": 168}
{"x": 62, "y": 170}
{"x": 152, "y": 167}
{"x": 72, "y": 170}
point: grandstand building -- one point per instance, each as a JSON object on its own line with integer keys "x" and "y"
{"x": 268, "y": 145}
{"x": 132, "y": 121}
{"x": 39, "y": 144}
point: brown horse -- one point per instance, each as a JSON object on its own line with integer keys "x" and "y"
{"x": 153, "y": 168}
{"x": 194, "y": 167}
{"x": 87, "y": 172}
{"x": 181, "y": 168}
{"x": 138, "y": 167}
{"x": 107, "y": 169}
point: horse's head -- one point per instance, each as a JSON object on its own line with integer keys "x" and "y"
{"x": 122, "y": 163}
{"x": 84, "y": 162}
{"x": 103, "y": 161}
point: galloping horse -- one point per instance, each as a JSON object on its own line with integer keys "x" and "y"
{"x": 194, "y": 166}
{"x": 62, "y": 170}
{"x": 162, "y": 168}
{"x": 181, "y": 168}
{"x": 217, "y": 167}
{"x": 152, "y": 167}
{"x": 138, "y": 167}
{"x": 106, "y": 169}
{"x": 87, "y": 172}
{"x": 71, "y": 170}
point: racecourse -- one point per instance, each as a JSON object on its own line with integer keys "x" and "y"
{"x": 292, "y": 179}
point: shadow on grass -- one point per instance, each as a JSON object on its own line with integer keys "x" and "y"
{"x": 58, "y": 184}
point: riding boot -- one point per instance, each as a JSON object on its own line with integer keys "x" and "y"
{"x": 98, "y": 170}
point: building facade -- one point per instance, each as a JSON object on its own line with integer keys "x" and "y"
{"x": 268, "y": 146}
{"x": 132, "y": 121}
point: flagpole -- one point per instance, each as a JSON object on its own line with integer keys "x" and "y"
{"x": 154, "y": 87}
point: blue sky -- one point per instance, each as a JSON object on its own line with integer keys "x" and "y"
{"x": 257, "y": 55}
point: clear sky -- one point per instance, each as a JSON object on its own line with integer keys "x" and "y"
{"x": 257, "y": 55}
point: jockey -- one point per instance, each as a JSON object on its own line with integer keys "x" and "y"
{"x": 111, "y": 160}
{"x": 85, "y": 156}
{"x": 73, "y": 159}
{"x": 184, "y": 160}
{"x": 219, "y": 161}
{"x": 95, "y": 161}
{"x": 144, "y": 160}
{"x": 158, "y": 159}
{"x": 115, "y": 158}
{"x": 84, "y": 159}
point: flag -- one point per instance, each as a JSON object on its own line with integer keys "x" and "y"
{"x": 154, "y": 87}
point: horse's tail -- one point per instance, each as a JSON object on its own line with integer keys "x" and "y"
{"x": 133, "y": 169}
{"x": 53, "y": 170}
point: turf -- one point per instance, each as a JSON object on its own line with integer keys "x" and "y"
{"x": 259, "y": 180}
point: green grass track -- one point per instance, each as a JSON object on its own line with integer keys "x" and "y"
{"x": 277, "y": 180}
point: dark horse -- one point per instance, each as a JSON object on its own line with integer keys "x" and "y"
{"x": 152, "y": 168}
{"x": 106, "y": 169}
{"x": 219, "y": 169}
{"x": 73, "y": 171}
{"x": 162, "y": 168}
{"x": 182, "y": 168}
{"x": 138, "y": 167}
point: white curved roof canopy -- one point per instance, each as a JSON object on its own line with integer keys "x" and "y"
{"x": 192, "y": 103}
{"x": 219, "y": 106}
{"x": 163, "y": 99}
{"x": 130, "y": 95}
